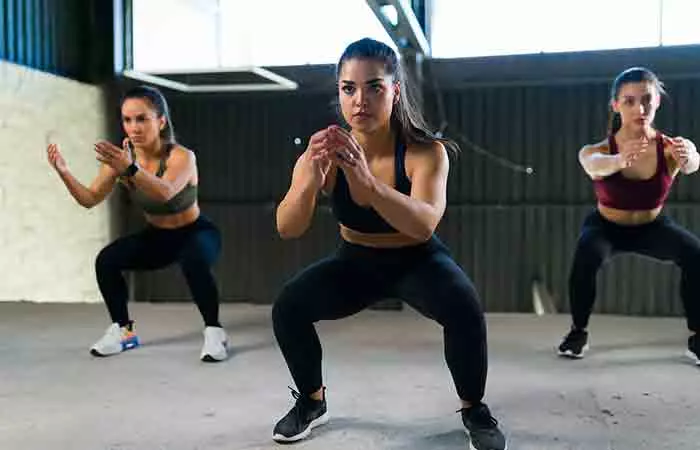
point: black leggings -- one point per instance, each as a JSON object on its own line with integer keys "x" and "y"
{"x": 194, "y": 247}
{"x": 662, "y": 239}
{"x": 424, "y": 276}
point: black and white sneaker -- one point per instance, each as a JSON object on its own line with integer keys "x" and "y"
{"x": 306, "y": 415}
{"x": 482, "y": 429}
{"x": 693, "y": 351}
{"x": 575, "y": 344}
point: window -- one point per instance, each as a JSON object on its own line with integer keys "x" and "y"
{"x": 680, "y": 22}
{"x": 174, "y": 34}
{"x": 463, "y": 28}
{"x": 208, "y": 34}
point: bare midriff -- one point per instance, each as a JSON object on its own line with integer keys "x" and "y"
{"x": 629, "y": 217}
{"x": 377, "y": 240}
{"x": 177, "y": 220}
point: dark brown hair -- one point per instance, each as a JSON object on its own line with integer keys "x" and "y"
{"x": 406, "y": 118}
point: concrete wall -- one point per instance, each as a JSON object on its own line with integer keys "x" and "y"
{"x": 47, "y": 241}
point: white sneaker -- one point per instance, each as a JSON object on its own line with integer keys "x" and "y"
{"x": 215, "y": 347}
{"x": 115, "y": 340}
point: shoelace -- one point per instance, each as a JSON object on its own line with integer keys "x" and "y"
{"x": 295, "y": 409}
{"x": 302, "y": 399}
{"x": 296, "y": 395}
{"x": 301, "y": 403}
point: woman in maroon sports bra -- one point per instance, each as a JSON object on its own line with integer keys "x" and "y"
{"x": 632, "y": 171}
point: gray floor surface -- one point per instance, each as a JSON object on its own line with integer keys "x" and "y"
{"x": 388, "y": 386}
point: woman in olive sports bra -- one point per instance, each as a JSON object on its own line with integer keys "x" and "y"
{"x": 162, "y": 179}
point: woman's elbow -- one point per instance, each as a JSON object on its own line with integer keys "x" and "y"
{"x": 424, "y": 235}
{"x": 589, "y": 169}
{"x": 285, "y": 228}
{"x": 425, "y": 231}
{"x": 87, "y": 203}
{"x": 286, "y": 236}
{"x": 286, "y": 232}
{"x": 592, "y": 175}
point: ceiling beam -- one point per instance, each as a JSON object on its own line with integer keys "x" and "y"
{"x": 399, "y": 20}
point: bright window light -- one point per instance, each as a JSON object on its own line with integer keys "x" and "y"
{"x": 465, "y": 28}
{"x": 209, "y": 34}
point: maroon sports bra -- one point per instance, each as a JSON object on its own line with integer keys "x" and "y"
{"x": 619, "y": 192}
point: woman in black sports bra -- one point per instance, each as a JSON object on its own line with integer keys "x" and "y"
{"x": 386, "y": 179}
{"x": 162, "y": 179}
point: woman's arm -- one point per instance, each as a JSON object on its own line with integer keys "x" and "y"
{"x": 417, "y": 215}
{"x": 599, "y": 164}
{"x": 86, "y": 196}
{"x": 684, "y": 154}
{"x": 296, "y": 209}
{"x": 181, "y": 166}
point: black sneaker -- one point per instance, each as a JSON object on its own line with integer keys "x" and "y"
{"x": 575, "y": 344}
{"x": 693, "y": 351}
{"x": 306, "y": 415}
{"x": 482, "y": 429}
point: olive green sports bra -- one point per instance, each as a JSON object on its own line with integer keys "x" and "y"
{"x": 180, "y": 202}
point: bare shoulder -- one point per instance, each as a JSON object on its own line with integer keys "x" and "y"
{"x": 433, "y": 154}
{"x": 181, "y": 150}
{"x": 180, "y": 153}
{"x": 427, "y": 159}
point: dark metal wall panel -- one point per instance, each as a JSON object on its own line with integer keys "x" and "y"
{"x": 71, "y": 38}
{"x": 245, "y": 144}
{"x": 504, "y": 249}
{"x": 544, "y": 127}
{"x": 254, "y": 262}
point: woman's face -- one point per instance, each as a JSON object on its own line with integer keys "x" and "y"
{"x": 637, "y": 104}
{"x": 367, "y": 94}
{"x": 141, "y": 122}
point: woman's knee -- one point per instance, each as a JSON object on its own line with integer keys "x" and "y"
{"x": 462, "y": 308}
{"x": 689, "y": 259}
{"x": 591, "y": 244}
{"x": 287, "y": 305}
{"x": 589, "y": 255}
{"x": 106, "y": 259}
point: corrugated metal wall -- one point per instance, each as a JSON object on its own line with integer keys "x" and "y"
{"x": 544, "y": 127}
{"x": 505, "y": 227}
{"x": 71, "y": 38}
{"x": 245, "y": 153}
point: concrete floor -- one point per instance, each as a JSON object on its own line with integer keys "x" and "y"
{"x": 388, "y": 387}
